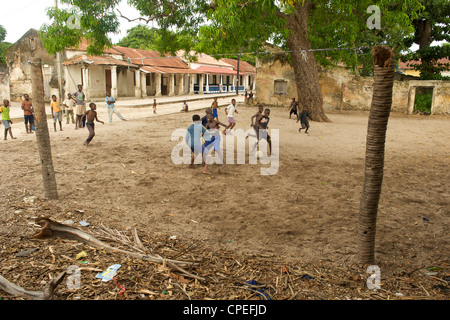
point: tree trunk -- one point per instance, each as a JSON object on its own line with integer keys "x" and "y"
{"x": 376, "y": 138}
{"x": 42, "y": 135}
{"x": 304, "y": 64}
{"x": 424, "y": 29}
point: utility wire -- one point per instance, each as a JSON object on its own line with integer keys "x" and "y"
{"x": 303, "y": 52}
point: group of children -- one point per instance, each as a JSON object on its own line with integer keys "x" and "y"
{"x": 204, "y": 134}
{"x": 74, "y": 104}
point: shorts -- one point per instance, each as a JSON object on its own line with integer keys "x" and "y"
{"x": 6, "y": 124}
{"x": 231, "y": 120}
{"x": 215, "y": 114}
{"x": 80, "y": 110}
{"x": 57, "y": 116}
{"x": 29, "y": 119}
{"x": 305, "y": 125}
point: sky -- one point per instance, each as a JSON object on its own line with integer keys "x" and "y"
{"x": 19, "y": 16}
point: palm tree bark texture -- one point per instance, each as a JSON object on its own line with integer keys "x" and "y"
{"x": 375, "y": 151}
{"x": 42, "y": 134}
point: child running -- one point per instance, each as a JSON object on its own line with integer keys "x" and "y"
{"x": 302, "y": 117}
{"x": 91, "y": 115}
{"x": 56, "y": 112}
{"x": 257, "y": 116}
{"x": 193, "y": 138}
{"x": 6, "y": 119}
{"x": 230, "y": 111}
{"x": 215, "y": 108}
{"x": 154, "y": 105}
{"x": 263, "y": 125}
{"x": 212, "y": 136}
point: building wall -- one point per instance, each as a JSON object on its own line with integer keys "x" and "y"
{"x": 97, "y": 81}
{"x": 4, "y": 83}
{"x": 266, "y": 76}
{"x": 125, "y": 82}
{"x": 18, "y": 56}
{"x": 342, "y": 90}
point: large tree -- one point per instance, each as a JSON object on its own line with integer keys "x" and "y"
{"x": 432, "y": 27}
{"x": 3, "y": 44}
{"x": 230, "y": 26}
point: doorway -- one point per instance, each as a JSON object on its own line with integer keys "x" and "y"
{"x": 423, "y": 100}
{"x": 108, "y": 81}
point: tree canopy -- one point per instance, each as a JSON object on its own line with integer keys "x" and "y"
{"x": 221, "y": 27}
{"x": 432, "y": 25}
{"x": 3, "y": 44}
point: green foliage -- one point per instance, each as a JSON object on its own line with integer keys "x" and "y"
{"x": 432, "y": 24}
{"x": 139, "y": 37}
{"x": 3, "y": 44}
{"x": 231, "y": 26}
{"x": 97, "y": 20}
{"x": 344, "y": 24}
{"x": 423, "y": 101}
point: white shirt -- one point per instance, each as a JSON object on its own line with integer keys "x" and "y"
{"x": 69, "y": 103}
{"x": 231, "y": 109}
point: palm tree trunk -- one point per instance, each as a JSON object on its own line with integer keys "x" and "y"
{"x": 42, "y": 135}
{"x": 376, "y": 138}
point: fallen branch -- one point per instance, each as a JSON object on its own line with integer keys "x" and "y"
{"x": 52, "y": 229}
{"x": 47, "y": 294}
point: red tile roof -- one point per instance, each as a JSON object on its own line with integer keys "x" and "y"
{"x": 244, "y": 66}
{"x": 99, "y": 60}
{"x": 82, "y": 46}
{"x": 217, "y": 70}
{"x": 151, "y": 69}
{"x": 409, "y": 65}
{"x": 151, "y": 58}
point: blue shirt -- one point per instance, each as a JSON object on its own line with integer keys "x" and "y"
{"x": 110, "y": 99}
{"x": 193, "y": 135}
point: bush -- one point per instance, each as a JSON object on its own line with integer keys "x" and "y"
{"x": 423, "y": 101}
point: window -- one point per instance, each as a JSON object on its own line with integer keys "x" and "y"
{"x": 280, "y": 87}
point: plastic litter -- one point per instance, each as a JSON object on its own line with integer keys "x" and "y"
{"x": 109, "y": 273}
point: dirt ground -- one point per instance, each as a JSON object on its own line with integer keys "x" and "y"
{"x": 294, "y": 231}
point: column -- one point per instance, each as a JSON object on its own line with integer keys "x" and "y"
{"x": 181, "y": 89}
{"x": 207, "y": 83}
{"x": 170, "y": 85}
{"x": 137, "y": 87}
{"x": 143, "y": 84}
{"x": 158, "y": 84}
{"x": 200, "y": 88}
{"x": 192, "y": 82}
{"x": 246, "y": 82}
{"x": 411, "y": 100}
{"x": 114, "y": 90}
{"x": 66, "y": 78}
{"x": 86, "y": 90}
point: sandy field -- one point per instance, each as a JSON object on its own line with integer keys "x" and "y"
{"x": 305, "y": 215}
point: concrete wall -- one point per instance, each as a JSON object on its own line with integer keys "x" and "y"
{"x": 342, "y": 90}
{"x": 4, "y": 83}
{"x": 125, "y": 78}
{"x": 266, "y": 75}
{"x": 18, "y": 56}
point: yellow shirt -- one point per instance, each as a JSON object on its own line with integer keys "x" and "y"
{"x": 56, "y": 106}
